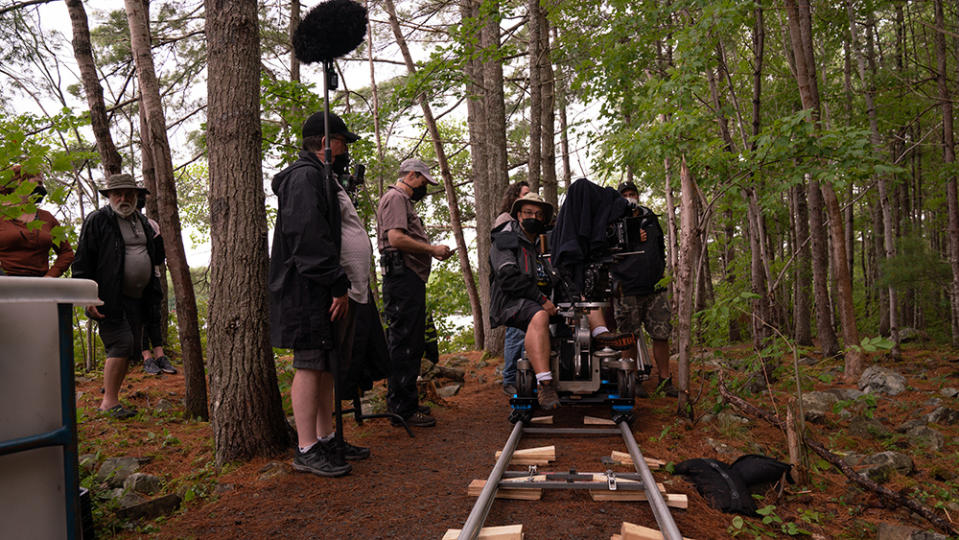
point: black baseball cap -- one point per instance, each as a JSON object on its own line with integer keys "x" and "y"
{"x": 314, "y": 126}
{"x": 626, "y": 186}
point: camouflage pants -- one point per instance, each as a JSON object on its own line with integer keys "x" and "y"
{"x": 651, "y": 311}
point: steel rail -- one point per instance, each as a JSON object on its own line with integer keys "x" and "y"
{"x": 481, "y": 509}
{"x": 667, "y": 526}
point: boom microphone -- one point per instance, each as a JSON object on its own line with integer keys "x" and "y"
{"x": 331, "y": 29}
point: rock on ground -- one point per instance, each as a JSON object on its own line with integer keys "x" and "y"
{"x": 879, "y": 380}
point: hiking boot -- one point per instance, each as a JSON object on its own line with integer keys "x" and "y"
{"x": 316, "y": 461}
{"x": 416, "y": 419}
{"x": 619, "y": 342}
{"x": 151, "y": 367}
{"x": 350, "y": 452}
{"x": 165, "y": 366}
{"x": 118, "y": 412}
{"x": 547, "y": 396}
{"x": 666, "y": 387}
{"x": 510, "y": 390}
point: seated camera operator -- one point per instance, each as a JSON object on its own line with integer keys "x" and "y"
{"x": 521, "y": 284}
{"x": 640, "y": 302}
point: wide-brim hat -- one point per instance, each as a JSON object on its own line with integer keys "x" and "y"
{"x": 315, "y": 123}
{"x": 121, "y": 181}
{"x": 418, "y": 166}
{"x": 532, "y": 198}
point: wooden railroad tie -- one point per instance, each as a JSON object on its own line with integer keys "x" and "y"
{"x": 593, "y": 421}
{"x": 532, "y": 456}
{"x": 541, "y": 420}
{"x": 631, "y": 531}
{"x": 674, "y": 500}
{"x": 625, "y": 459}
{"x": 503, "y": 532}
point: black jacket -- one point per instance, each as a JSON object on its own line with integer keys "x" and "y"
{"x": 100, "y": 256}
{"x": 580, "y": 233}
{"x": 512, "y": 259}
{"x": 305, "y": 271}
{"x": 637, "y": 274}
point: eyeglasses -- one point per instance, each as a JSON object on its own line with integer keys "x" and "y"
{"x": 533, "y": 214}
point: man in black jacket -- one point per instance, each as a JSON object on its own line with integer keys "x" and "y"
{"x": 640, "y": 301}
{"x": 319, "y": 270}
{"x": 117, "y": 250}
{"x": 518, "y": 296}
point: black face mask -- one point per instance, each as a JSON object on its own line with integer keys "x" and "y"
{"x": 341, "y": 163}
{"x": 418, "y": 193}
{"x": 533, "y": 226}
{"x": 40, "y": 192}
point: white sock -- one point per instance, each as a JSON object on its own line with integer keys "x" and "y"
{"x": 599, "y": 330}
{"x": 544, "y": 376}
{"x": 326, "y": 439}
{"x": 305, "y": 449}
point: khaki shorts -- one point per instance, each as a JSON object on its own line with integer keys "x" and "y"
{"x": 651, "y": 310}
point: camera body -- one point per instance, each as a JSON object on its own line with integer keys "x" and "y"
{"x": 351, "y": 182}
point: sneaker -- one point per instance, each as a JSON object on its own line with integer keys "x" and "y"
{"x": 417, "y": 419}
{"x": 509, "y": 389}
{"x": 547, "y": 396}
{"x": 165, "y": 366}
{"x": 317, "y": 462}
{"x": 150, "y": 366}
{"x": 666, "y": 387}
{"x": 350, "y": 452}
{"x": 118, "y": 412}
{"x": 619, "y": 342}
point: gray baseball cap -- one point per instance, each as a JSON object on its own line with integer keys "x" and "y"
{"x": 417, "y": 166}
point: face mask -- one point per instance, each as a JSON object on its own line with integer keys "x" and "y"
{"x": 633, "y": 201}
{"x": 341, "y": 163}
{"x": 418, "y": 193}
{"x": 123, "y": 209}
{"x": 533, "y": 226}
{"x": 40, "y": 192}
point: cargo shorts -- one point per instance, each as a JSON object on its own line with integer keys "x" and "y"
{"x": 651, "y": 310}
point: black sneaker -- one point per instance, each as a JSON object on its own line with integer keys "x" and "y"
{"x": 118, "y": 412}
{"x": 317, "y": 462}
{"x": 350, "y": 452}
{"x": 416, "y": 419}
{"x": 165, "y": 366}
{"x": 151, "y": 367}
{"x": 547, "y": 396}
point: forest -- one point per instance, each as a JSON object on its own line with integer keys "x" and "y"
{"x": 800, "y": 155}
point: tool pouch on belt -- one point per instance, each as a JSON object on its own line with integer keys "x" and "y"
{"x": 392, "y": 263}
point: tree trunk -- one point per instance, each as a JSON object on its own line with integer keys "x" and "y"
{"x": 801, "y": 308}
{"x": 889, "y": 241}
{"x": 548, "y": 115}
{"x": 153, "y": 211}
{"x": 455, "y": 221}
{"x": 484, "y": 199}
{"x": 948, "y": 158}
{"x": 248, "y": 417}
{"x": 533, "y": 21}
{"x": 83, "y": 52}
{"x": 154, "y": 136}
{"x": 685, "y": 284}
{"x": 496, "y": 147}
{"x": 800, "y": 30}
{"x": 563, "y": 103}
{"x": 294, "y": 22}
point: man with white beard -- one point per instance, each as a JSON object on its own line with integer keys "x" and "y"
{"x": 117, "y": 250}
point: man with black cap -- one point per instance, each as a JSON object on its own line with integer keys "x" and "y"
{"x": 319, "y": 271}
{"x": 639, "y": 300}
{"x": 406, "y": 256}
{"x": 117, "y": 250}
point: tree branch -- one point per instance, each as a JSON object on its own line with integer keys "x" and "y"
{"x": 22, "y": 5}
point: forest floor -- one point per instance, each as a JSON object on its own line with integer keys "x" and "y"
{"x": 417, "y": 487}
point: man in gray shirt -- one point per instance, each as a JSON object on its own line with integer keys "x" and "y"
{"x": 405, "y": 254}
{"x": 117, "y": 250}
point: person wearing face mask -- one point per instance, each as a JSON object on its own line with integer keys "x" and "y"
{"x": 406, "y": 255}
{"x": 319, "y": 281}
{"x": 117, "y": 250}
{"x": 519, "y": 295}
{"x": 25, "y": 250}
{"x": 639, "y": 301}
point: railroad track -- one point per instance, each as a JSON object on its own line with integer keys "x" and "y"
{"x": 499, "y": 477}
